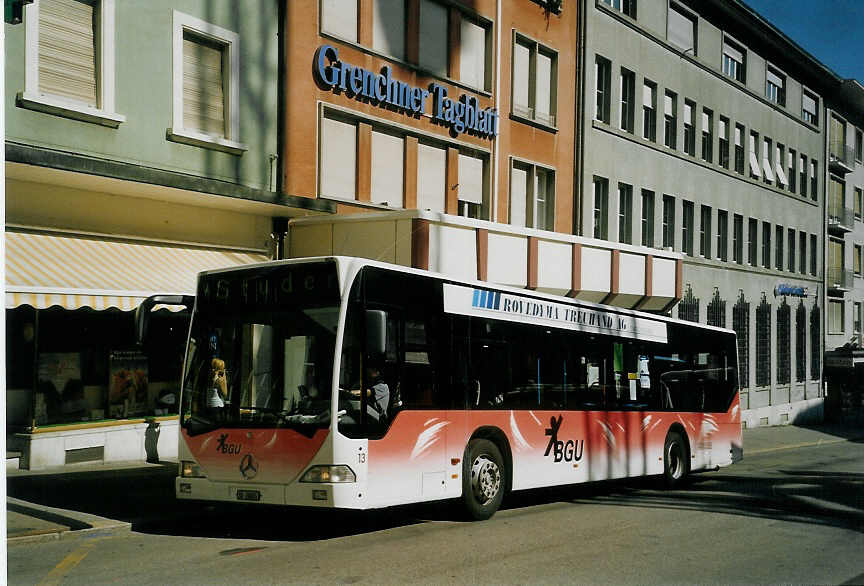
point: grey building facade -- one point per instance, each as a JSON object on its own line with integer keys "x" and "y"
{"x": 704, "y": 131}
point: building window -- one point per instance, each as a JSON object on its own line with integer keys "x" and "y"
{"x": 625, "y": 213}
{"x": 856, "y": 259}
{"x": 434, "y": 36}
{"x": 474, "y": 56}
{"x": 792, "y": 157}
{"x": 815, "y": 344}
{"x": 628, "y": 99}
{"x": 206, "y": 85}
{"x": 69, "y": 60}
{"x": 339, "y": 18}
{"x": 734, "y": 60}
{"x": 859, "y": 145}
{"x": 784, "y": 342}
{"x": 802, "y": 174}
{"x": 738, "y": 239}
{"x": 836, "y": 262}
{"x": 836, "y": 317}
{"x": 668, "y": 222}
{"x": 647, "y": 218}
{"x": 755, "y": 172}
{"x": 602, "y": 80}
{"x": 814, "y": 181}
{"x": 689, "y": 128}
{"x": 687, "y": 228}
{"x": 716, "y": 310}
{"x": 670, "y": 119}
{"x": 705, "y": 231}
{"x": 779, "y": 163}
{"x": 767, "y": 164}
{"x": 473, "y": 191}
{"x": 338, "y": 151}
{"x": 723, "y": 145}
{"x": 809, "y": 112}
{"x": 628, "y": 7}
{"x": 837, "y": 139}
{"x": 649, "y": 111}
{"x": 431, "y": 177}
{"x": 856, "y": 318}
{"x": 791, "y": 252}
{"x": 688, "y": 307}
{"x": 766, "y": 245}
{"x": 722, "y": 235}
{"x": 741, "y": 325}
{"x": 535, "y": 75}
{"x": 388, "y": 25}
{"x": 858, "y": 202}
{"x": 388, "y": 169}
{"x": 778, "y": 258}
{"x": 532, "y": 196}
{"x": 739, "y": 149}
{"x": 813, "y": 253}
{"x": 802, "y": 253}
{"x": 752, "y": 239}
{"x": 775, "y": 86}
{"x": 763, "y": 343}
{"x": 681, "y": 29}
{"x": 601, "y": 208}
{"x": 836, "y": 201}
{"x": 801, "y": 343}
{"x": 707, "y": 134}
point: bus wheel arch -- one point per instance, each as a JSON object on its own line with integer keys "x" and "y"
{"x": 676, "y": 456}
{"x": 485, "y": 473}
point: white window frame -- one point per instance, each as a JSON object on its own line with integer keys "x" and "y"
{"x": 184, "y": 22}
{"x": 31, "y": 98}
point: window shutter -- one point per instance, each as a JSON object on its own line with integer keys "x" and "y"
{"x": 543, "y": 85}
{"x": 388, "y": 166}
{"x": 688, "y": 113}
{"x": 809, "y": 103}
{"x": 774, "y": 78}
{"x": 340, "y": 18}
{"x": 388, "y": 26}
{"x": 680, "y": 29}
{"x": 778, "y": 167}
{"x": 518, "y": 196}
{"x": 738, "y": 136}
{"x": 732, "y": 52}
{"x": 67, "y": 51}
{"x": 203, "y": 95}
{"x": 472, "y": 57}
{"x": 706, "y": 124}
{"x": 470, "y": 179}
{"x": 431, "y": 177}
{"x": 648, "y": 96}
{"x": 521, "y": 61}
{"x": 722, "y": 129}
{"x": 667, "y": 105}
{"x": 338, "y": 159}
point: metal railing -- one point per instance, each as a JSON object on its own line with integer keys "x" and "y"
{"x": 842, "y": 155}
{"x": 840, "y": 217}
{"x": 839, "y": 279}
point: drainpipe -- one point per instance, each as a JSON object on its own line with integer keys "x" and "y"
{"x": 581, "y": 129}
{"x": 495, "y": 149}
{"x": 281, "y": 79}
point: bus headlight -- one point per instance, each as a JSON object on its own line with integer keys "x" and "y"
{"x": 190, "y": 470}
{"x": 329, "y": 474}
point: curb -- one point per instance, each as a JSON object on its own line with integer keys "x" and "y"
{"x": 75, "y": 524}
{"x": 810, "y": 444}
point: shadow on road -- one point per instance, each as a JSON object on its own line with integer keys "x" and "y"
{"x": 145, "y": 498}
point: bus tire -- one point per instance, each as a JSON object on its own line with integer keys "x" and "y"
{"x": 483, "y": 479}
{"x": 676, "y": 460}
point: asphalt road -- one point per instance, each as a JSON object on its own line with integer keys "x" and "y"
{"x": 791, "y": 515}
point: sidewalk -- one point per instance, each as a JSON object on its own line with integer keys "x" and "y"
{"x": 53, "y": 504}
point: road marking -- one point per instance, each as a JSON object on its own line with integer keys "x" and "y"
{"x": 68, "y": 563}
{"x": 794, "y": 446}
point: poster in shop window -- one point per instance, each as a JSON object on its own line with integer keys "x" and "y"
{"x": 61, "y": 393}
{"x": 127, "y": 384}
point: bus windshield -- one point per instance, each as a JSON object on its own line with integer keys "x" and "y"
{"x": 262, "y": 369}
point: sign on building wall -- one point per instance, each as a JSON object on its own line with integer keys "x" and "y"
{"x": 462, "y": 115}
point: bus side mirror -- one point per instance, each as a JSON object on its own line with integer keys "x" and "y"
{"x": 376, "y": 332}
{"x": 142, "y": 313}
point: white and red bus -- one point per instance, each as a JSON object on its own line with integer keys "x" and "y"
{"x": 471, "y": 390}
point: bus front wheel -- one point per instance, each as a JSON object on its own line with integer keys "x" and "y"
{"x": 483, "y": 479}
{"x": 676, "y": 460}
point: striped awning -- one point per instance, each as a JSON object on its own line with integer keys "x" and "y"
{"x": 45, "y": 270}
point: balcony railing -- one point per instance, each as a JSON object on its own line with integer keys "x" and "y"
{"x": 841, "y": 157}
{"x": 839, "y": 279}
{"x": 840, "y": 218}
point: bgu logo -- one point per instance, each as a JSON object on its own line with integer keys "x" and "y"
{"x": 226, "y": 448}
{"x": 569, "y": 451}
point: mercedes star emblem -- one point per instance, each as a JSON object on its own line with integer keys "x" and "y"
{"x": 248, "y": 466}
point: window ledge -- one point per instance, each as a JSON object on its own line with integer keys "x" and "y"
{"x": 206, "y": 141}
{"x": 533, "y": 122}
{"x": 68, "y": 109}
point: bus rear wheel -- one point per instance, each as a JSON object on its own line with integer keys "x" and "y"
{"x": 676, "y": 460}
{"x": 483, "y": 479}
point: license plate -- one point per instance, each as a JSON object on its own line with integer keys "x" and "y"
{"x": 249, "y": 495}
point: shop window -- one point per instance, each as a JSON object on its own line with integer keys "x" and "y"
{"x": 741, "y": 325}
{"x": 688, "y": 307}
{"x": 801, "y": 343}
{"x": 815, "y": 344}
{"x": 717, "y": 310}
{"x": 763, "y": 343}
{"x": 784, "y": 343}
